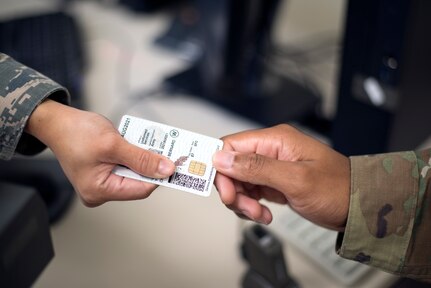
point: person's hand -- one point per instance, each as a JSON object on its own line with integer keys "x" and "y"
{"x": 88, "y": 147}
{"x": 283, "y": 165}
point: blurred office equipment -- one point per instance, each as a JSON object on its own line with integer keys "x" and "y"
{"x": 51, "y": 44}
{"x": 318, "y": 244}
{"x": 384, "y": 86}
{"x": 383, "y": 83}
{"x": 232, "y": 71}
{"x": 263, "y": 253}
{"x": 46, "y": 177}
{"x": 182, "y": 35}
{"x": 147, "y": 5}
{"x": 25, "y": 240}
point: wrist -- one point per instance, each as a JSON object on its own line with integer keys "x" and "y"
{"x": 43, "y": 120}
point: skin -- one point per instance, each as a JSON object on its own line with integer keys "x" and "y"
{"x": 283, "y": 165}
{"x": 88, "y": 147}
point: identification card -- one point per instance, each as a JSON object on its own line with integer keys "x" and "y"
{"x": 191, "y": 152}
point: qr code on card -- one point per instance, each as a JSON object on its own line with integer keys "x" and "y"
{"x": 188, "y": 181}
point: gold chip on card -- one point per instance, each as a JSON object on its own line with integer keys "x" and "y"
{"x": 197, "y": 168}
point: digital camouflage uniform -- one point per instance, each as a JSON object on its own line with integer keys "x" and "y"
{"x": 389, "y": 222}
{"x": 21, "y": 90}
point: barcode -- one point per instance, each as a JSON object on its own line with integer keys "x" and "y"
{"x": 188, "y": 181}
{"x": 156, "y": 151}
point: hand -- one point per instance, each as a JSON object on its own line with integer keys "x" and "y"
{"x": 283, "y": 165}
{"x": 88, "y": 147}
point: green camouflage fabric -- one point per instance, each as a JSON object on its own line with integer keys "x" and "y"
{"x": 21, "y": 90}
{"x": 389, "y": 221}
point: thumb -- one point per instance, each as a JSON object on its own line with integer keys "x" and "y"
{"x": 142, "y": 161}
{"x": 252, "y": 168}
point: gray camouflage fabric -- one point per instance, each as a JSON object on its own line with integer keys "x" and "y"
{"x": 389, "y": 221}
{"x": 21, "y": 90}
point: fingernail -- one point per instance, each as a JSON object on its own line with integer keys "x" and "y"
{"x": 223, "y": 159}
{"x": 261, "y": 221}
{"x": 247, "y": 214}
{"x": 266, "y": 217}
{"x": 165, "y": 167}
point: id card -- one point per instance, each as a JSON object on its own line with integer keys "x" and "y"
{"x": 191, "y": 152}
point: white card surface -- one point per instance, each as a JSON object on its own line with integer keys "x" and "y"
{"x": 191, "y": 152}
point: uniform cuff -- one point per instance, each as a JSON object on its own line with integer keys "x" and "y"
{"x": 383, "y": 201}
{"x": 22, "y": 89}
{"x": 28, "y": 144}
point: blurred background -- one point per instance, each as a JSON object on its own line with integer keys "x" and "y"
{"x": 354, "y": 74}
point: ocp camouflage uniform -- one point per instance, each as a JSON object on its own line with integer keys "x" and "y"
{"x": 21, "y": 90}
{"x": 389, "y": 222}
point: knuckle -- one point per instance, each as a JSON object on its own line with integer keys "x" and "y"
{"x": 306, "y": 177}
{"x": 281, "y": 126}
{"x": 91, "y": 196}
{"x": 254, "y": 164}
{"x": 109, "y": 144}
{"x": 302, "y": 173}
{"x": 144, "y": 162}
{"x": 284, "y": 128}
{"x": 88, "y": 199}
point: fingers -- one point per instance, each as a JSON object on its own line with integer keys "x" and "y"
{"x": 142, "y": 161}
{"x": 251, "y": 209}
{"x": 252, "y": 168}
{"x": 226, "y": 188}
{"x": 233, "y": 195}
{"x": 115, "y": 188}
{"x": 281, "y": 142}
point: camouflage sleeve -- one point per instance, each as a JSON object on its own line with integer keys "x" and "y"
{"x": 21, "y": 90}
{"x": 389, "y": 221}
